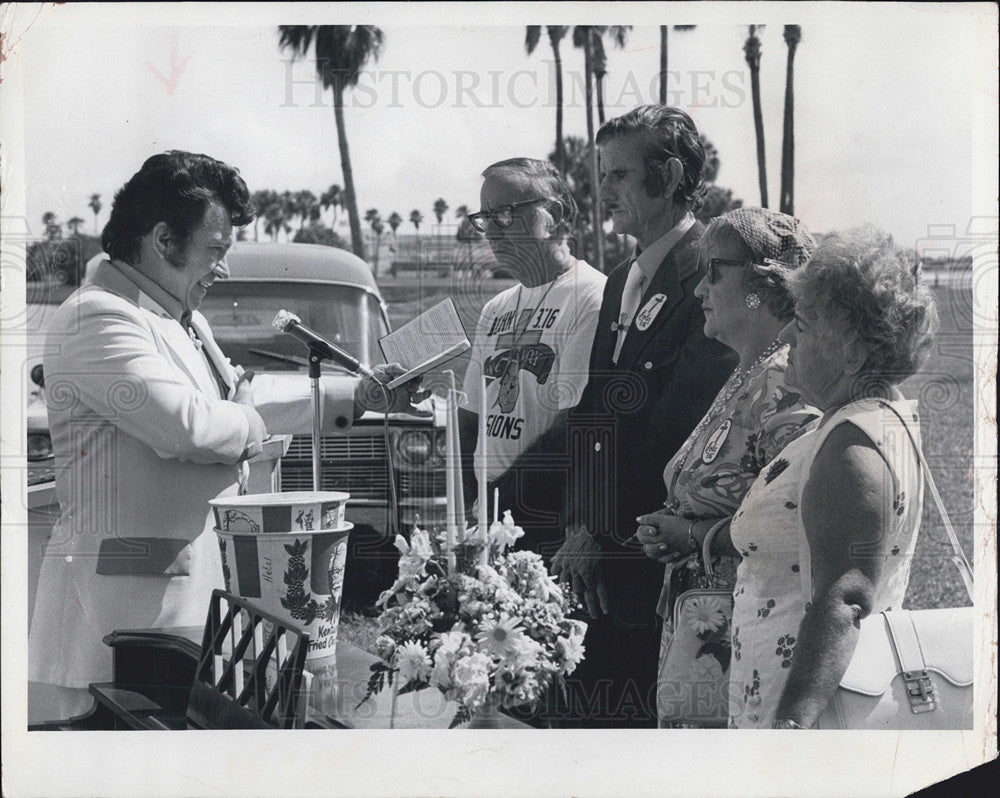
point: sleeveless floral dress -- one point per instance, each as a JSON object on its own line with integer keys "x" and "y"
{"x": 774, "y": 578}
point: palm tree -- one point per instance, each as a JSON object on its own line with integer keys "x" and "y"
{"x": 416, "y": 219}
{"x": 74, "y": 225}
{"x": 275, "y": 219}
{"x": 710, "y": 170}
{"x": 53, "y": 228}
{"x": 306, "y": 206}
{"x": 374, "y": 219}
{"x": 793, "y": 35}
{"x": 333, "y": 197}
{"x": 618, "y": 34}
{"x": 262, "y": 200}
{"x": 556, "y": 34}
{"x": 440, "y": 207}
{"x": 95, "y": 206}
{"x": 394, "y": 220}
{"x": 751, "y": 49}
{"x": 583, "y": 37}
{"x": 664, "y": 29}
{"x": 341, "y": 52}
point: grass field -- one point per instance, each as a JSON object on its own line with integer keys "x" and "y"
{"x": 945, "y": 389}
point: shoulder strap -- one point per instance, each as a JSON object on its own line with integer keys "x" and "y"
{"x": 959, "y": 558}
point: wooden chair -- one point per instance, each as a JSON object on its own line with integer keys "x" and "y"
{"x": 246, "y": 675}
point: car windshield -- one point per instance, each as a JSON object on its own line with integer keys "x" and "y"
{"x": 240, "y": 313}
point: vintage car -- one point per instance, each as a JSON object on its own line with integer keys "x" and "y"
{"x": 333, "y": 292}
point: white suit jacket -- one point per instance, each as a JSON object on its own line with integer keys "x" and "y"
{"x": 143, "y": 438}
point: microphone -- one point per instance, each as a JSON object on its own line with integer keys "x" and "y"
{"x": 290, "y": 323}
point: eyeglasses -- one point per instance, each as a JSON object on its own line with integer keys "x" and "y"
{"x": 502, "y": 216}
{"x": 772, "y": 271}
{"x": 714, "y": 263}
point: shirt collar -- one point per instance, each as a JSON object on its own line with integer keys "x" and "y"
{"x": 649, "y": 259}
{"x": 152, "y": 297}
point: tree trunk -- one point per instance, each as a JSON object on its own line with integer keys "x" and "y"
{"x": 758, "y": 123}
{"x": 594, "y": 175}
{"x": 599, "y": 85}
{"x": 663, "y": 64}
{"x": 357, "y": 243}
{"x": 788, "y": 140}
{"x": 560, "y": 144}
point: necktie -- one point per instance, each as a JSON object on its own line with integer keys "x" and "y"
{"x": 631, "y": 295}
{"x": 213, "y": 369}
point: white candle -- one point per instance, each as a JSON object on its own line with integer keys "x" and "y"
{"x": 459, "y": 486}
{"x": 481, "y": 471}
{"x": 496, "y": 505}
{"x": 450, "y": 433}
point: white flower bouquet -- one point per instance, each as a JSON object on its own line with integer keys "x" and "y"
{"x": 493, "y": 624}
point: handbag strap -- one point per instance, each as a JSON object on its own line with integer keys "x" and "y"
{"x": 706, "y": 547}
{"x": 904, "y": 635}
{"x": 959, "y": 558}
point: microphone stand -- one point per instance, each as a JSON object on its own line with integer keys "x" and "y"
{"x": 316, "y": 357}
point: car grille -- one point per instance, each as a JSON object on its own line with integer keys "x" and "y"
{"x": 357, "y": 464}
{"x": 422, "y": 483}
{"x": 361, "y": 481}
{"x": 338, "y": 447}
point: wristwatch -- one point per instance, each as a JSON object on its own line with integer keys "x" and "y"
{"x": 786, "y": 723}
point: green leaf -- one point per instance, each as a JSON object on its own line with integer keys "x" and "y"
{"x": 461, "y": 716}
{"x": 411, "y": 686}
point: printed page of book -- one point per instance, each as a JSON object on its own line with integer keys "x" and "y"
{"x": 434, "y": 332}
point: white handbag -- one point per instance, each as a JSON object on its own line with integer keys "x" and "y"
{"x": 912, "y": 669}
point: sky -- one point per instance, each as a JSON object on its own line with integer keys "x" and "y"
{"x": 884, "y": 105}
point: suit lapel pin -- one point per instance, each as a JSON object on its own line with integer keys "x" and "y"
{"x": 648, "y": 313}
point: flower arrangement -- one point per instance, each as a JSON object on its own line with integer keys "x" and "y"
{"x": 476, "y": 621}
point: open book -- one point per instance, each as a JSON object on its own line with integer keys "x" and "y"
{"x": 432, "y": 338}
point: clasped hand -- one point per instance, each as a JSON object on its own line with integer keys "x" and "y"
{"x": 663, "y": 536}
{"x": 578, "y": 565}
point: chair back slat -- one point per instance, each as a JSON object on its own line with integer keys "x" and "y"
{"x": 250, "y": 671}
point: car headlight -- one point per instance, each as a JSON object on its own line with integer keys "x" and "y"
{"x": 39, "y": 446}
{"x": 414, "y": 446}
{"x": 440, "y": 444}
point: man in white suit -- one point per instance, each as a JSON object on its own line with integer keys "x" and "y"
{"x": 149, "y": 421}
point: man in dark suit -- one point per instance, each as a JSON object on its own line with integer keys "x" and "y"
{"x": 653, "y": 374}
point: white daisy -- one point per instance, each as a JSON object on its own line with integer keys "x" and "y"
{"x": 414, "y": 662}
{"x": 502, "y": 637}
{"x": 704, "y": 614}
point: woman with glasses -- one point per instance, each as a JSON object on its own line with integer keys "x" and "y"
{"x": 532, "y": 341}
{"x": 746, "y": 306}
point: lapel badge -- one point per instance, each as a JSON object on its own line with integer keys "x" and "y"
{"x": 649, "y": 311}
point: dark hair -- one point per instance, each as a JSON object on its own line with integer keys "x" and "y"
{"x": 547, "y": 179}
{"x": 176, "y": 188}
{"x": 666, "y": 133}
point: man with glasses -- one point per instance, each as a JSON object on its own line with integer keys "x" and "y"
{"x": 532, "y": 341}
{"x": 653, "y": 374}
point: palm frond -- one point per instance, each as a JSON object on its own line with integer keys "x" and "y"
{"x": 532, "y": 35}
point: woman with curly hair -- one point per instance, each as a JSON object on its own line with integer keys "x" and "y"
{"x": 827, "y": 531}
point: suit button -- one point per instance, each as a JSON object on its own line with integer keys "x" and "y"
{"x": 648, "y": 365}
{"x": 597, "y": 447}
